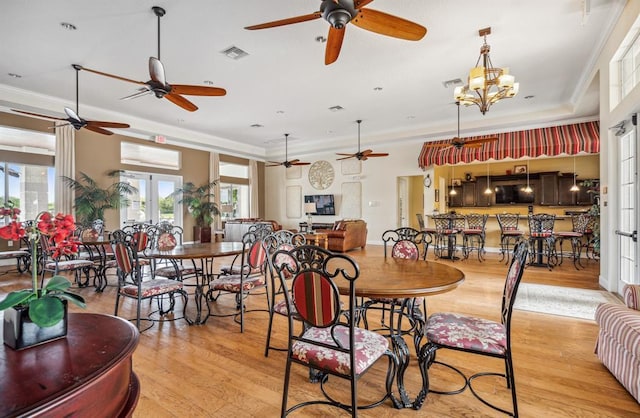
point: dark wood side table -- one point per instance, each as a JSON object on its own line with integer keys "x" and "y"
{"x": 87, "y": 374}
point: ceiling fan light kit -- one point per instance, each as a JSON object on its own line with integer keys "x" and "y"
{"x": 487, "y": 84}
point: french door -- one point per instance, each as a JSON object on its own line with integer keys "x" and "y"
{"x": 153, "y": 202}
{"x": 627, "y": 229}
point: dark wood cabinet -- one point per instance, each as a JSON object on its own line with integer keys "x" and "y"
{"x": 483, "y": 199}
{"x": 565, "y": 195}
{"x": 584, "y": 196}
{"x": 469, "y": 193}
{"x": 548, "y": 189}
{"x": 455, "y": 200}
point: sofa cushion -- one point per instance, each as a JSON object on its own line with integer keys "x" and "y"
{"x": 622, "y": 324}
{"x": 631, "y": 294}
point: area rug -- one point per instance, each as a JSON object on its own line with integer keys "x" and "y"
{"x": 563, "y": 301}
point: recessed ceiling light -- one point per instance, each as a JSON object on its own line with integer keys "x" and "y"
{"x": 336, "y": 108}
{"x": 234, "y": 53}
{"x": 411, "y": 117}
{"x": 529, "y": 97}
{"x": 257, "y": 125}
{"x": 14, "y": 75}
{"x": 321, "y": 39}
{"x": 280, "y": 112}
{"x": 68, "y": 26}
{"x": 377, "y": 89}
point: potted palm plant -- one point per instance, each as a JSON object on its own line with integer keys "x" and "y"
{"x": 92, "y": 200}
{"x": 198, "y": 202}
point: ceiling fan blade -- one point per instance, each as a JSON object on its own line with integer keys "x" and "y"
{"x": 288, "y": 21}
{"x": 190, "y": 90}
{"x": 300, "y": 163}
{"x": 292, "y": 161}
{"x": 334, "y": 44}
{"x": 156, "y": 71}
{"x": 98, "y": 130}
{"x": 348, "y": 155}
{"x": 38, "y": 114}
{"x": 346, "y": 158}
{"x": 273, "y": 165}
{"x": 377, "y": 154}
{"x": 481, "y": 140}
{"x": 181, "y": 101}
{"x": 101, "y": 124}
{"x": 117, "y": 77}
{"x": 366, "y": 152}
{"x": 389, "y": 25}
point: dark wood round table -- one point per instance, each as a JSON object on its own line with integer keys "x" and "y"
{"x": 88, "y": 373}
{"x": 404, "y": 279}
{"x": 204, "y": 252}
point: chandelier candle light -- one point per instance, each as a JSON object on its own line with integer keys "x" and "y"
{"x": 487, "y": 84}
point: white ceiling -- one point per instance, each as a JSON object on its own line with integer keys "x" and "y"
{"x": 283, "y": 85}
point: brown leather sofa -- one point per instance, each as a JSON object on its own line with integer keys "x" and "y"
{"x": 346, "y": 235}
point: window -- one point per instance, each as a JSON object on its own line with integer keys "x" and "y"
{"x": 148, "y": 156}
{"x": 234, "y": 188}
{"x": 625, "y": 66}
{"x": 28, "y": 187}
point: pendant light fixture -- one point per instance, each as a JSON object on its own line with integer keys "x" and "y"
{"x": 575, "y": 187}
{"x": 452, "y": 191}
{"x": 488, "y": 189}
{"x": 528, "y": 189}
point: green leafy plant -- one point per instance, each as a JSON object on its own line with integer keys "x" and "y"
{"x": 92, "y": 200}
{"x": 197, "y": 199}
{"x": 45, "y": 304}
{"x": 593, "y": 188}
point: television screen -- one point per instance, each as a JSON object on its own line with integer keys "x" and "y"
{"x": 324, "y": 203}
{"x": 512, "y": 194}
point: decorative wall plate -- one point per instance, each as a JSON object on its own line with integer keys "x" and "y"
{"x": 321, "y": 175}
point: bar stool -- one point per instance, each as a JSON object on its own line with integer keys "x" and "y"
{"x": 542, "y": 240}
{"x": 448, "y": 227}
{"x": 510, "y": 235}
{"x": 579, "y": 225}
{"x": 473, "y": 235}
{"x": 429, "y": 232}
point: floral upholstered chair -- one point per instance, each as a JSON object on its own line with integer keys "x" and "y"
{"x": 252, "y": 259}
{"x": 133, "y": 283}
{"x": 480, "y": 336}
{"x": 331, "y": 343}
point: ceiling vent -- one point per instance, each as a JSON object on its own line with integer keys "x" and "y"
{"x": 452, "y": 83}
{"x": 336, "y": 108}
{"x": 234, "y": 53}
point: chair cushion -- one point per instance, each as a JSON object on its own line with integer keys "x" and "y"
{"x": 467, "y": 332}
{"x": 152, "y": 288}
{"x": 568, "y": 234}
{"x": 13, "y": 254}
{"x": 231, "y": 283}
{"x": 541, "y": 234}
{"x": 170, "y": 271}
{"x": 66, "y": 265}
{"x": 370, "y": 346}
{"x": 405, "y": 249}
{"x": 512, "y": 232}
{"x": 166, "y": 242}
{"x": 472, "y": 231}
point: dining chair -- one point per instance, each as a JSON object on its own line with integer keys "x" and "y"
{"x": 331, "y": 343}
{"x": 168, "y": 237}
{"x": 49, "y": 260}
{"x": 473, "y": 235}
{"x": 404, "y": 243}
{"x": 250, "y": 277}
{"x": 448, "y": 228}
{"x": 134, "y": 284}
{"x": 474, "y": 335}
{"x": 260, "y": 231}
{"x": 510, "y": 234}
{"x": 279, "y": 240}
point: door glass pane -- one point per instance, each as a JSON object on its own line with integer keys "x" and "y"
{"x": 234, "y": 201}
{"x": 627, "y": 209}
{"x": 137, "y": 210}
{"x": 166, "y": 202}
{"x": 28, "y": 187}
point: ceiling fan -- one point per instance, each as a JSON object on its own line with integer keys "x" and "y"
{"x": 158, "y": 84}
{"x": 286, "y": 163}
{"x": 362, "y": 155}
{"x": 459, "y": 143}
{"x": 76, "y": 121}
{"x": 340, "y": 12}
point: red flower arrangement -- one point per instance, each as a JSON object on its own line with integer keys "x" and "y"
{"x": 45, "y": 305}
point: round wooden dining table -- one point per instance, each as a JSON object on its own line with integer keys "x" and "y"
{"x": 404, "y": 279}
{"x": 204, "y": 253}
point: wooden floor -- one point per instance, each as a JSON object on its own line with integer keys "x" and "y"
{"x": 213, "y": 370}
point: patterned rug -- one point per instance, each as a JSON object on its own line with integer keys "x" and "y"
{"x": 563, "y": 301}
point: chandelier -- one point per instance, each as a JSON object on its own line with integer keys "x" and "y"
{"x": 487, "y": 84}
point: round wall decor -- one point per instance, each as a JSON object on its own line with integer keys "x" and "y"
{"x": 321, "y": 175}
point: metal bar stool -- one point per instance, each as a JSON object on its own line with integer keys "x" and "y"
{"x": 579, "y": 225}
{"x": 473, "y": 235}
{"x": 510, "y": 235}
{"x": 542, "y": 240}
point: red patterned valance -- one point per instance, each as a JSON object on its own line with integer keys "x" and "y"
{"x": 551, "y": 141}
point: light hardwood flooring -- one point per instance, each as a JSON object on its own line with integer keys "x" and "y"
{"x": 213, "y": 370}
